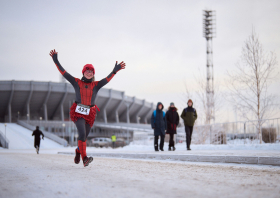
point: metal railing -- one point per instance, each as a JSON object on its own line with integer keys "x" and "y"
{"x": 46, "y": 133}
{"x": 3, "y": 140}
{"x": 246, "y": 132}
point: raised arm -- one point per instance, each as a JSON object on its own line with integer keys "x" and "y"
{"x": 117, "y": 68}
{"x": 65, "y": 74}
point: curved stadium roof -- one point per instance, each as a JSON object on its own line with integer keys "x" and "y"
{"x": 51, "y": 101}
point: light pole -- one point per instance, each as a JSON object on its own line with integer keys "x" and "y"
{"x": 40, "y": 121}
{"x": 127, "y": 116}
{"x": 5, "y": 136}
{"x": 27, "y": 117}
{"x": 209, "y": 32}
{"x": 18, "y": 115}
{"x": 63, "y": 125}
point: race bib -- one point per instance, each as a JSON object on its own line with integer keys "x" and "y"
{"x": 82, "y": 109}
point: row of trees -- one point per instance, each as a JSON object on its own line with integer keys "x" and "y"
{"x": 247, "y": 85}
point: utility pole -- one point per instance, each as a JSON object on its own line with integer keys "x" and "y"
{"x": 209, "y": 32}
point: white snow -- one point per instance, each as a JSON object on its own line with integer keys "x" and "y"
{"x": 21, "y": 138}
{"x": 47, "y": 175}
{"x": 232, "y": 145}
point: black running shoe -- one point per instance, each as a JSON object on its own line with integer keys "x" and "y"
{"x": 169, "y": 149}
{"x": 37, "y": 149}
{"x": 87, "y": 160}
{"x": 77, "y": 157}
{"x": 174, "y": 148}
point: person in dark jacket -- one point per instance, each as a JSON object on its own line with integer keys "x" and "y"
{"x": 37, "y": 138}
{"x": 172, "y": 119}
{"x": 189, "y": 116}
{"x": 158, "y": 122}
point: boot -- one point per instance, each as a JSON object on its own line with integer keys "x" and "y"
{"x": 37, "y": 149}
{"x": 169, "y": 148}
{"x": 174, "y": 148}
{"x": 156, "y": 147}
{"x": 87, "y": 160}
{"x": 189, "y": 149}
{"x": 77, "y": 156}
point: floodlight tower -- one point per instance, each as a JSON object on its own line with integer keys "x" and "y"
{"x": 209, "y": 32}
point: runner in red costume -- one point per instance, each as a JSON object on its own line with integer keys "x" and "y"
{"x": 83, "y": 111}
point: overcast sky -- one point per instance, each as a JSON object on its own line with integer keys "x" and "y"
{"x": 161, "y": 42}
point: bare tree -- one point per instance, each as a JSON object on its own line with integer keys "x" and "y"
{"x": 200, "y": 98}
{"x": 249, "y": 84}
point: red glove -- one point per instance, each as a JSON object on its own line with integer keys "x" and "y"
{"x": 53, "y": 52}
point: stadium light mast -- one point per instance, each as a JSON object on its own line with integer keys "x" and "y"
{"x": 209, "y": 32}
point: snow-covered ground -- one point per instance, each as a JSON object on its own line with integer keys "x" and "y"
{"x": 237, "y": 145}
{"x": 23, "y": 173}
{"x": 217, "y": 150}
{"x": 48, "y": 175}
{"x": 21, "y": 138}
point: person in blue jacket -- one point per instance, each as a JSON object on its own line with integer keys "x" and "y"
{"x": 158, "y": 122}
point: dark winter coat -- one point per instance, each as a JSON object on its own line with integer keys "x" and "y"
{"x": 172, "y": 119}
{"x": 189, "y": 116}
{"x": 37, "y": 133}
{"x": 158, "y": 122}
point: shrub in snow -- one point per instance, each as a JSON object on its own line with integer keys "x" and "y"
{"x": 220, "y": 138}
{"x": 269, "y": 135}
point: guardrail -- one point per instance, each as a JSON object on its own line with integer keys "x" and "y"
{"x": 4, "y": 141}
{"x": 46, "y": 133}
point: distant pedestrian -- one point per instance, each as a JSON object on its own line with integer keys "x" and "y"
{"x": 37, "y": 138}
{"x": 158, "y": 122}
{"x": 189, "y": 115}
{"x": 172, "y": 119}
{"x": 114, "y": 139}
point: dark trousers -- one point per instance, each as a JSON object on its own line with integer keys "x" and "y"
{"x": 114, "y": 144}
{"x": 83, "y": 129}
{"x": 188, "y": 130}
{"x": 171, "y": 140}
{"x": 161, "y": 141}
{"x": 37, "y": 143}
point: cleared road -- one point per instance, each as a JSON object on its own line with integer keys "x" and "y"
{"x": 48, "y": 175}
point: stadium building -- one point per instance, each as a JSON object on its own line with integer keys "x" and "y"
{"x": 47, "y": 104}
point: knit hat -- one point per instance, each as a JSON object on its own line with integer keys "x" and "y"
{"x": 172, "y": 103}
{"x": 88, "y": 67}
{"x": 190, "y": 101}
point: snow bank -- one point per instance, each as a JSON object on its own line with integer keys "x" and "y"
{"x": 21, "y": 138}
{"x": 237, "y": 145}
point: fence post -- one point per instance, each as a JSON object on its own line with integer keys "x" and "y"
{"x": 244, "y": 132}
{"x": 210, "y": 134}
{"x": 277, "y": 131}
